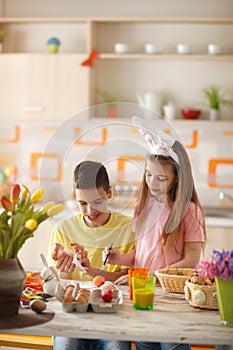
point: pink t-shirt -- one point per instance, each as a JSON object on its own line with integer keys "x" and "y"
{"x": 147, "y": 242}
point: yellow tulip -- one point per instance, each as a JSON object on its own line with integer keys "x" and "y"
{"x": 48, "y": 205}
{"x": 37, "y": 195}
{"x": 24, "y": 193}
{"x": 31, "y": 224}
{"x": 56, "y": 209}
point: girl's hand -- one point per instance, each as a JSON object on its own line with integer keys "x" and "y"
{"x": 122, "y": 280}
{"x": 113, "y": 257}
{"x": 85, "y": 263}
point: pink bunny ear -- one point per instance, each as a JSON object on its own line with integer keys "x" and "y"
{"x": 142, "y": 128}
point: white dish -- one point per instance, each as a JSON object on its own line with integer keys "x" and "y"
{"x": 121, "y": 48}
{"x": 150, "y": 48}
{"x": 183, "y": 49}
{"x": 214, "y": 49}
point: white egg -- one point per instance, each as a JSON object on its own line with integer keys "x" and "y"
{"x": 108, "y": 285}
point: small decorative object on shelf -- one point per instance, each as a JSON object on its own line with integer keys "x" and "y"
{"x": 18, "y": 221}
{"x": 215, "y": 100}
{"x": 191, "y": 113}
{"x": 214, "y": 49}
{"x": 53, "y": 44}
{"x": 169, "y": 111}
{"x": 89, "y": 62}
{"x": 221, "y": 268}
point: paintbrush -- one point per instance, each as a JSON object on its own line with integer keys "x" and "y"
{"x": 105, "y": 260}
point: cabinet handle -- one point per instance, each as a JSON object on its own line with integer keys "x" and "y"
{"x": 31, "y": 109}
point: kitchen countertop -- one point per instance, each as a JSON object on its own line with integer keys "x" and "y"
{"x": 172, "y": 320}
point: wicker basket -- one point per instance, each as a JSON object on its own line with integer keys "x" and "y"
{"x": 202, "y": 296}
{"x": 173, "y": 280}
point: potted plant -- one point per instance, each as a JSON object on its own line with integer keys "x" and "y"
{"x": 215, "y": 99}
{"x": 18, "y": 221}
{"x": 2, "y": 38}
{"x": 220, "y": 267}
{"x": 111, "y": 102}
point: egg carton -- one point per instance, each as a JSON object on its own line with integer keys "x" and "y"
{"x": 95, "y": 302}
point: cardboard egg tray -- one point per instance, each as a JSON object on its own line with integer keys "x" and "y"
{"x": 95, "y": 302}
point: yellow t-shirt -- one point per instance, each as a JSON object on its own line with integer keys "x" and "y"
{"x": 118, "y": 230}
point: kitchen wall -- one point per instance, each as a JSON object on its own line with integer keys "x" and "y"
{"x": 45, "y": 153}
{"x": 218, "y": 8}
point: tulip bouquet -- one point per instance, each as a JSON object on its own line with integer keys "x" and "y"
{"x": 19, "y": 218}
{"x": 221, "y": 265}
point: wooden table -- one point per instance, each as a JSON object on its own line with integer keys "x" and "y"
{"x": 172, "y": 320}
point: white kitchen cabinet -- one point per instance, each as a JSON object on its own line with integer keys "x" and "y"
{"x": 40, "y": 86}
{"x": 56, "y": 86}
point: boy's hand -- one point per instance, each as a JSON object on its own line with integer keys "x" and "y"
{"x": 113, "y": 257}
{"x": 65, "y": 263}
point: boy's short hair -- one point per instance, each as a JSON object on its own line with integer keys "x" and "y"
{"x": 90, "y": 174}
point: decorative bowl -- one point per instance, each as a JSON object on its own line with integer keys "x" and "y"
{"x": 191, "y": 113}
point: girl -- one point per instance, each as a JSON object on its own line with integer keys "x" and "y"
{"x": 168, "y": 220}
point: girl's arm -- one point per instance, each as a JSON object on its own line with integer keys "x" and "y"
{"x": 192, "y": 253}
{"x": 109, "y": 276}
{"x": 116, "y": 258}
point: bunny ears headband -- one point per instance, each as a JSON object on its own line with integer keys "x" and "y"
{"x": 161, "y": 145}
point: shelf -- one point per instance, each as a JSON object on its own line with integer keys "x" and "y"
{"x": 35, "y": 20}
{"x": 142, "y": 56}
{"x": 175, "y": 76}
{"x": 134, "y": 56}
{"x": 165, "y": 20}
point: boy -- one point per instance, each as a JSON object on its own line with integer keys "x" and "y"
{"x": 94, "y": 228}
{"x": 89, "y": 233}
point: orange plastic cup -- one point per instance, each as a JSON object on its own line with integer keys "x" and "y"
{"x": 132, "y": 272}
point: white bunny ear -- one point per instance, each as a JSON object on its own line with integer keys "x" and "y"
{"x": 165, "y": 146}
{"x": 138, "y": 122}
{"x": 163, "y": 137}
{"x": 52, "y": 268}
{"x": 142, "y": 128}
{"x": 158, "y": 146}
{"x": 44, "y": 260}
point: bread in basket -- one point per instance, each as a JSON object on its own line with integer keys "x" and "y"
{"x": 173, "y": 279}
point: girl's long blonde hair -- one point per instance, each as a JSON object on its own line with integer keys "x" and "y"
{"x": 182, "y": 193}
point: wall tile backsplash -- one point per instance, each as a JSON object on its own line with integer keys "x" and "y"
{"x": 45, "y": 153}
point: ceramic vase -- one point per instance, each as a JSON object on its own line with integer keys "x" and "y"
{"x": 12, "y": 279}
{"x": 225, "y": 300}
{"x": 214, "y": 114}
